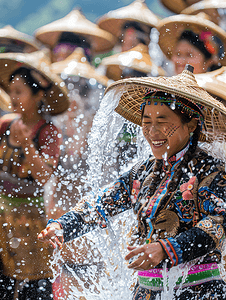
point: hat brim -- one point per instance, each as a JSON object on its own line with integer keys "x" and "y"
{"x": 175, "y": 6}
{"x": 208, "y": 7}
{"x": 5, "y": 101}
{"x": 171, "y": 28}
{"x": 9, "y": 33}
{"x": 133, "y": 90}
{"x": 72, "y": 67}
{"x": 137, "y": 58}
{"x": 214, "y": 83}
{"x": 56, "y": 97}
{"x": 76, "y": 22}
{"x": 137, "y": 11}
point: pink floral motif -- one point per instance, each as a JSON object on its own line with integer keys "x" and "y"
{"x": 187, "y": 189}
{"x": 135, "y": 190}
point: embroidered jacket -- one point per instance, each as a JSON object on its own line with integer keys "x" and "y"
{"x": 189, "y": 223}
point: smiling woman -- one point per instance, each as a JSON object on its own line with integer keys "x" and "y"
{"x": 176, "y": 194}
{"x": 165, "y": 129}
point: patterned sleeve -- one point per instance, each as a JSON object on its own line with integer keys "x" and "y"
{"x": 91, "y": 213}
{"x": 209, "y": 233}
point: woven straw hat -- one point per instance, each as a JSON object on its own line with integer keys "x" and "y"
{"x": 210, "y": 7}
{"x": 56, "y": 97}
{"x": 171, "y": 28}
{"x": 77, "y": 23}
{"x": 76, "y": 64}
{"x": 9, "y": 33}
{"x": 137, "y": 58}
{"x": 214, "y": 83}
{"x": 137, "y": 11}
{"x": 183, "y": 85}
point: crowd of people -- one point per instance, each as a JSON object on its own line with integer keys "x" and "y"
{"x": 168, "y": 77}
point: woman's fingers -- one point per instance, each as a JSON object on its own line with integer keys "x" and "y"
{"x": 133, "y": 252}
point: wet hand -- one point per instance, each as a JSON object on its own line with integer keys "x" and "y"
{"x": 52, "y": 234}
{"x": 149, "y": 256}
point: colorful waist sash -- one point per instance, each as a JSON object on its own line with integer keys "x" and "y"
{"x": 198, "y": 274}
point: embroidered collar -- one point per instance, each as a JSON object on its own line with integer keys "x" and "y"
{"x": 175, "y": 158}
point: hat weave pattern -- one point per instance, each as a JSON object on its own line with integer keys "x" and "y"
{"x": 183, "y": 85}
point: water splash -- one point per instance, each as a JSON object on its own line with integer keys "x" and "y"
{"x": 103, "y": 273}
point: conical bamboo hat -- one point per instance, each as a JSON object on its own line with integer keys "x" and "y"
{"x": 76, "y": 64}
{"x": 8, "y": 32}
{"x": 214, "y": 83}
{"x": 77, "y": 23}
{"x": 137, "y": 11}
{"x": 210, "y": 7}
{"x": 137, "y": 58}
{"x": 171, "y": 28}
{"x": 56, "y": 96}
{"x": 184, "y": 85}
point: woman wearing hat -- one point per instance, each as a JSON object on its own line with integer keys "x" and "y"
{"x": 131, "y": 25}
{"x": 177, "y": 194}
{"x": 29, "y": 152}
{"x": 194, "y": 40}
{"x": 63, "y": 36}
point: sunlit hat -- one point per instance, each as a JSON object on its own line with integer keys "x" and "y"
{"x": 171, "y": 28}
{"x": 175, "y": 6}
{"x": 210, "y": 7}
{"x": 76, "y": 64}
{"x": 214, "y": 82}
{"x": 9, "y": 33}
{"x": 77, "y": 23}
{"x": 137, "y": 58}
{"x": 137, "y": 11}
{"x": 132, "y": 91}
{"x": 56, "y": 95}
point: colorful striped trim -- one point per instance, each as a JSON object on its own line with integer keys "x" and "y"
{"x": 173, "y": 251}
{"x": 198, "y": 274}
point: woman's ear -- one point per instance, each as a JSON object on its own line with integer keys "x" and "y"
{"x": 192, "y": 125}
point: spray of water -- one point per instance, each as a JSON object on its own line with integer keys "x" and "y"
{"x": 104, "y": 273}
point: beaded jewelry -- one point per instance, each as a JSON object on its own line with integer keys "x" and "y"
{"x": 173, "y": 103}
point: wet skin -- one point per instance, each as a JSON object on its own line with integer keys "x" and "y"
{"x": 164, "y": 130}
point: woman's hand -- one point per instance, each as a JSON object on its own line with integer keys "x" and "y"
{"x": 51, "y": 235}
{"x": 150, "y": 255}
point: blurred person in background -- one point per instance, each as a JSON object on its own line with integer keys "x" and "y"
{"x": 192, "y": 40}
{"x": 63, "y": 36}
{"x": 29, "y": 152}
{"x": 131, "y": 25}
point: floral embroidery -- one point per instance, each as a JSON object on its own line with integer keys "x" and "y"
{"x": 187, "y": 189}
{"x": 135, "y": 190}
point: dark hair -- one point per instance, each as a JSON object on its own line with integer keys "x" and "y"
{"x": 156, "y": 175}
{"x": 194, "y": 39}
{"x": 27, "y": 76}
